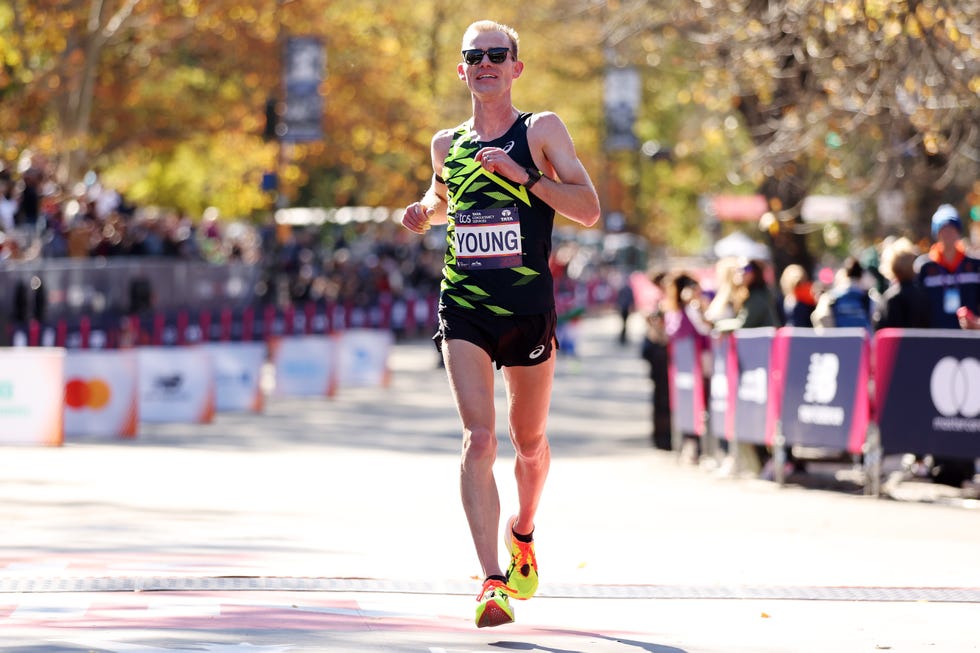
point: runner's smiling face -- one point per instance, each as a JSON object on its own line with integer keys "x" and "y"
{"x": 487, "y": 76}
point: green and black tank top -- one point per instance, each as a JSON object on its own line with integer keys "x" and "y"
{"x": 499, "y": 233}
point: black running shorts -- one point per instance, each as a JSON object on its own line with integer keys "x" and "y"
{"x": 510, "y": 341}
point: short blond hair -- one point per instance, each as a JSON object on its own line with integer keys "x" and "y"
{"x": 493, "y": 26}
{"x": 793, "y": 275}
{"x": 898, "y": 260}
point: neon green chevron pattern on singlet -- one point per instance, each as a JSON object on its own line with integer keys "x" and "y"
{"x": 470, "y": 186}
{"x": 467, "y": 178}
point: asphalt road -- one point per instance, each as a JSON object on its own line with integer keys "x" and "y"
{"x": 335, "y": 525}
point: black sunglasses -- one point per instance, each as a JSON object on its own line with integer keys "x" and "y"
{"x": 496, "y": 55}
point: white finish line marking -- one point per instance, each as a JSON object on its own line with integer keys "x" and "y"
{"x": 23, "y": 585}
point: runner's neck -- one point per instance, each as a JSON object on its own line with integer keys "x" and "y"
{"x": 489, "y": 125}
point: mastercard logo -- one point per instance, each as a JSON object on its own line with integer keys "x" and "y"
{"x": 92, "y": 393}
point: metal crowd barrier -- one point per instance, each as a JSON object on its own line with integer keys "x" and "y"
{"x": 839, "y": 390}
{"x": 65, "y": 288}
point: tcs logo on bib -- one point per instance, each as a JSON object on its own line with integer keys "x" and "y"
{"x": 93, "y": 394}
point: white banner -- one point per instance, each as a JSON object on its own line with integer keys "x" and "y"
{"x": 237, "y": 371}
{"x": 305, "y": 366}
{"x": 101, "y": 397}
{"x": 623, "y": 93}
{"x": 363, "y": 359}
{"x": 176, "y": 384}
{"x": 821, "y": 209}
{"x": 32, "y": 383}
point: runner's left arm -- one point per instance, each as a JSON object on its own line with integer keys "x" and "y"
{"x": 566, "y": 185}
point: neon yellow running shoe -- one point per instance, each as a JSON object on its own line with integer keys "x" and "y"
{"x": 494, "y": 608}
{"x": 522, "y": 574}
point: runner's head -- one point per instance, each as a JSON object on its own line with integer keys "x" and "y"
{"x": 482, "y": 26}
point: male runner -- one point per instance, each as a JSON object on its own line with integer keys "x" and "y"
{"x": 499, "y": 179}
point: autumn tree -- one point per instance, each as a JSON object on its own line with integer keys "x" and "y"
{"x": 167, "y": 99}
{"x": 151, "y": 93}
{"x": 848, "y": 97}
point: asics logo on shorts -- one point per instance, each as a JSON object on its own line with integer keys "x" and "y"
{"x": 537, "y": 351}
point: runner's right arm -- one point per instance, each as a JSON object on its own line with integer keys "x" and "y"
{"x": 431, "y": 209}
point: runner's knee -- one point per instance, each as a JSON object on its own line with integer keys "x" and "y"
{"x": 480, "y": 443}
{"x": 535, "y": 448}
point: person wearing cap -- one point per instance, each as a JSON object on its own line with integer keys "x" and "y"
{"x": 949, "y": 276}
{"x": 951, "y": 280}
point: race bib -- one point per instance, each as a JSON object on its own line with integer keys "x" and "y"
{"x": 488, "y": 239}
{"x": 951, "y": 300}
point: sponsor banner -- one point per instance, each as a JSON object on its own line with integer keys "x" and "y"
{"x": 101, "y": 398}
{"x": 304, "y": 65}
{"x": 819, "y": 388}
{"x": 237, "y": 375}
{"x": 621, "y": 101}
{"x": 305, "y": 366}
{"x": 363, "y": 358}
{"x": 31, "y": 402}
{"x": 176, "y": 384}
{"x": 927, "y": 391}
{"x": 687, "y": 401}
{"x": 748, "y": 375}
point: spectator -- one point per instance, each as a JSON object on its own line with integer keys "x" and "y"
{"x": 949, "y": 276}
{"x": 8, "y": 202}
{"x": 799, "y": 296}
{"x": 722, "y": 305}
{"x": 29, "y": 206}
{"x": 654, "y": 351}
{"x": 683, "y": 307}
{"x": 756, "y": 307}
{"x": 754, "y": 301}
{"x": 848, "y": 304}
{"x": 903, "y": 304}
{"x": 951, "y": 281}
{"x": 624, "y": 304}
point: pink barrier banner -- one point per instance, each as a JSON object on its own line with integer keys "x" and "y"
{"x": 748, "y": 370}
{"x": 927, "y": 391}
{"x": 686, "y": 378}
{"x": 818, "y": 388}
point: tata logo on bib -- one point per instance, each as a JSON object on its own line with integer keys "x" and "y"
{"x": 955, "y": 389}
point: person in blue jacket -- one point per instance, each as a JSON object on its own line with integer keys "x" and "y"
{"x": 950, "y": 277}
{"x": 951, "y": 280}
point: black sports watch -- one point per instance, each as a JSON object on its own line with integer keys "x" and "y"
{"x": 533, "y": 177}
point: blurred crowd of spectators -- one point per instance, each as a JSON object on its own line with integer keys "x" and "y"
{"x": 353, "y": 262}
{"x": 40, "y": 219}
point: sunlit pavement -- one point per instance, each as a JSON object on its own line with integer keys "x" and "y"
{"x": 335, "y": 525}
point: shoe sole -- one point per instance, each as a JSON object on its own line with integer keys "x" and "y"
{"x": 493, "y": 615}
